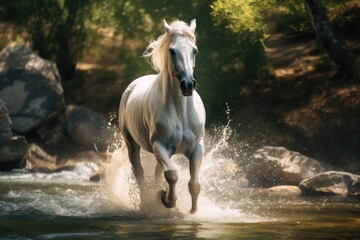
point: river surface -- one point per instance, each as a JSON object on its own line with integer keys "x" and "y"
{"x": 66, "y": 205}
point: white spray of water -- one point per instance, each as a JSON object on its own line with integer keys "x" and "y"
{"x": 119, "y": 182}
{"x": 215, "y": 175}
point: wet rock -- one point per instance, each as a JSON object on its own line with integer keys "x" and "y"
{"x": 37, "y": 159}
{"x": 87, "y": 128}
{"x": 271, "y": 166}
{"x": 12, "y": 151}
{"x": 5, "y": 121}
{"x": 332, "y": 183}
{"x": 98, "y": 175}
{"x": 284, "y": 191}
{"x": 31, "y": 87}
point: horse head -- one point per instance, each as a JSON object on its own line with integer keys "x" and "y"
{"x": 182, "y": 51}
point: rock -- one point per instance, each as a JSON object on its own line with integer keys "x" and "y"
{"x": 332, "y": 183}
{"x": 37, "y": 159}
{"x": 12, "y": 148}
{"x": 284, "y": 191}
{"x": 55, "y": 141}
{"x": 31, "y": 87}
{"x": 12, "y": 151}
{"x": 5, "y": 121}
{"x": 97, "y": 176}
{"x": 17, "y": 56}
{"x": 87, "y": 128}
{"x": 271, "y": 166}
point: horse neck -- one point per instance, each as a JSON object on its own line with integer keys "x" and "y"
{"x": 171, "y": 91}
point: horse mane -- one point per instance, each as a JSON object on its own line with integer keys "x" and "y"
{"x": 157, "y": 51}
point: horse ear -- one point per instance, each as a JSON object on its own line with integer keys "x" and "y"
{"x": 166, "y": 26}
{"x": 193, "y": 25}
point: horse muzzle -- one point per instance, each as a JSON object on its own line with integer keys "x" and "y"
{"x": 187, "y": 86}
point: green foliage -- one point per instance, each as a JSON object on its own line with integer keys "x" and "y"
{"x": 243, "y": 17}
{"x": 58, "y": 29}
{"x": 248, "y": 17}
{"x": 230, "y": 35}
{"x": 68, "y": 28}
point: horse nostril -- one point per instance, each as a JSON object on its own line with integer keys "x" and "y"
{"x": 183, "y": 84}
{"x": 194, "y": 82}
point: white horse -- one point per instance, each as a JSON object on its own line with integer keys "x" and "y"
{"x": 163, "y": 114}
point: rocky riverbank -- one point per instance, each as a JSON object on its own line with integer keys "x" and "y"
{"x": 36, "y": 122}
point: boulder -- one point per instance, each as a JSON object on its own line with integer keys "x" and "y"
{"x": 332, "y": 183}
{"x": 37, "y": 159}
{"x": 12, "y": 148}
{"x": 31, "y": 87}
{"x": 87, "y": 128}
{"x": 55, "y": 141}
{"x": 284, "y": 191}
{"x": 12, "y": 151}
{"x": 5, "y": 121}
{"x": 271, "y": 166}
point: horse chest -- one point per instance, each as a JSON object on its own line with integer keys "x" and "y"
{"x": 181, "y": 140}
{"x": 184, "y": 130}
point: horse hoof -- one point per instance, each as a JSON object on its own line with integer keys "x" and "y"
{"x": 168, "y": 204}
{"x": 192, "y": 211}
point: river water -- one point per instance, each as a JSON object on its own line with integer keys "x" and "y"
{"x": 66, "y": 205}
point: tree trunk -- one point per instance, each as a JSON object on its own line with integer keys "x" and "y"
{"x": 65, "y": 61}
{"x": 66, "y": 57}
{"x": 336, "y": 50}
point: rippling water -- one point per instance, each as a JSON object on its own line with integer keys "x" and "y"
{"x": 66, "y": 205}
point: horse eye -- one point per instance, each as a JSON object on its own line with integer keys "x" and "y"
{"x": 195, "y": 51}
{"x": 172, "y": 51}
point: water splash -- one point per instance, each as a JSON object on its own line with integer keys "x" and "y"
{"x": 119, "y": 184}
{"x": 217, "y": 176}
{"x": 69, "y": 193}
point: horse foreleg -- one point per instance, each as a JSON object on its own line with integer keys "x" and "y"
{"x": 169, "y": 199}
{"x": 195, "y": 159}
{"x": 159, "y": 171}
{"x": 163, "y": 157}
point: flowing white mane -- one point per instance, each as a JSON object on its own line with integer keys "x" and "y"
{"x": 157, "y": 51}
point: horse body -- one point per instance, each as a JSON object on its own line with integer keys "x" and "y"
{"x": 177, "y": 122}
{"x": 164, "y": 115}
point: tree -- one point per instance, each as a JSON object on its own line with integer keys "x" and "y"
{"x": 248, "y": 16}
{"x": 57, "y": 29}
{"x": 336, "y": 50}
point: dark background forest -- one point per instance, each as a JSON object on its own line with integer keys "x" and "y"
{"x": 285, "y": 72}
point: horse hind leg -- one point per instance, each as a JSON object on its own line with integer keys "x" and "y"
{"x": 134, "y": 157}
